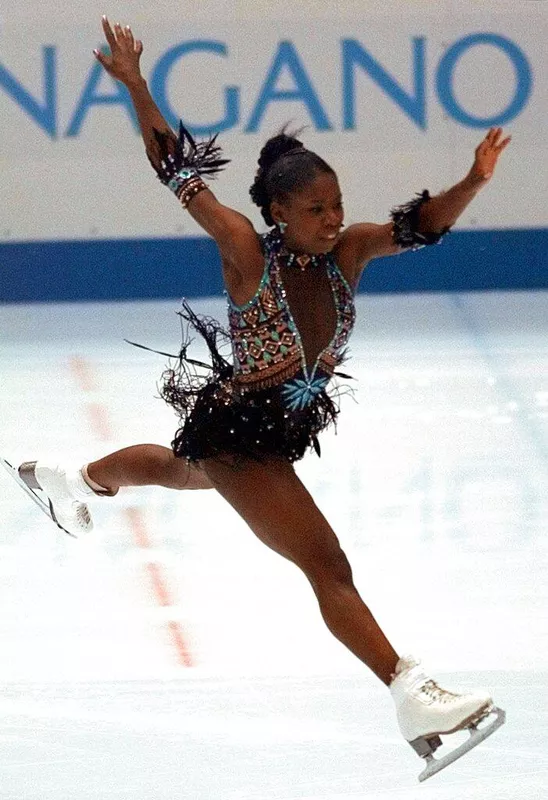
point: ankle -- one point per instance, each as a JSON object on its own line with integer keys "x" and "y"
{"x": 85, "y": 484}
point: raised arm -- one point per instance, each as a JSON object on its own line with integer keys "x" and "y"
{"x": 442, "y": 212}
{"x": 123, "y": 64}
{"x": 232, "y": 231}
{"x": 425, "y": 219}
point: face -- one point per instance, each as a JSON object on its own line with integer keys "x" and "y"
{"x": 314, "y": 215}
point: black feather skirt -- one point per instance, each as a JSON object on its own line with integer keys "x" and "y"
{"x": 218, "y": 419}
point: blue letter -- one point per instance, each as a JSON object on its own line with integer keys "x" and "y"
{"x": 304, "y": 91}
{"x": 413, "y": 105}
{"x": 444, "y": 80}
{"x": 44, "y": 115}
{"x": 90, "y": 98}
{"x": 159, "y": 89}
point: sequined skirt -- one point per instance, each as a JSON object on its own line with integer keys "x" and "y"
{"x": 218, "y": 418}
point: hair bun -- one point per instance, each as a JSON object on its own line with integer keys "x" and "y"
{"x": 290, "y": 173}
{"x": 276, "y": 147}
{"x": 273, "y": 149}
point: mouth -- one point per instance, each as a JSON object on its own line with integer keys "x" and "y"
{"x": 328, "y": 242}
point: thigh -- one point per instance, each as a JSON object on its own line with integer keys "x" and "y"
{"x": 278, "y": 508}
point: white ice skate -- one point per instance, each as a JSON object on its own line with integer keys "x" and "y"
{"x": 57, "y": 491}
{"x": 425, "y": 712}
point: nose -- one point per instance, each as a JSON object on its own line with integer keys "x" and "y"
{"x": 334, "y": 219}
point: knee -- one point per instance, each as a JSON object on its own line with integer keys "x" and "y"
{"x": 331, "y": 567}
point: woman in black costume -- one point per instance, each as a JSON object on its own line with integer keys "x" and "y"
{"x": 290, "y": 314}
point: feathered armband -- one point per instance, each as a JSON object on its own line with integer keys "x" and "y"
{"x": 406, "y": 224}
{"x": 180, "y": 163}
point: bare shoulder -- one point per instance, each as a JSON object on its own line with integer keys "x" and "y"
{"x": 243, "y": 263}
{"x": 239, "y": 245}
{"x": 362, "y": 242}
{"x": 232, "y": 231}
{"x": 238, "y": 242}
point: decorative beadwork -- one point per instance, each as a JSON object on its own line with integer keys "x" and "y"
{"x": 189, "y": 190}
{"x": 301, "y": 392}
{"x": 181, "y": 178}
{"x": 180, "y": 162}
{"x": 275, "y": 247}
{"x": 268, "y": 401}
{"x": 267, "y": 347}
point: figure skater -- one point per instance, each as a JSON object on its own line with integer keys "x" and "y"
{"x": 245, "y": 422}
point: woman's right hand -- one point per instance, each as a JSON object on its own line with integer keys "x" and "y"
{"x": 123, "y": 62}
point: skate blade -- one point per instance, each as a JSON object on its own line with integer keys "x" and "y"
{"x": 47, "y": 508}
{"x": 477, "y": 736}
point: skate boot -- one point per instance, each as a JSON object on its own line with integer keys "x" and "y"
{"x": 425, "y": 711}
{"x": 65, "y": 493}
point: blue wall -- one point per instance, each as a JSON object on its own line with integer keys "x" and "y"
{"x": 166, "y": 268}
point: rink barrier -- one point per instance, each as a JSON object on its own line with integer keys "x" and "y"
{"x": 133, "y": 269}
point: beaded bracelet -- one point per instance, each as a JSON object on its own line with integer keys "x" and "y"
{"x": 185, "y": 184}
{"x": 180, "y": 162}
{"x": 189, "y": 190}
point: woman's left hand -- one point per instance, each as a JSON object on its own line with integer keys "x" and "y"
{"x": 487, "y": 155}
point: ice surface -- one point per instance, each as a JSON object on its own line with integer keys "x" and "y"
{"x": 436, "y": 483}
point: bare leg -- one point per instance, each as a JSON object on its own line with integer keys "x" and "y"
{"x": 147, "y": 465}
{"x": 279, "y": 510}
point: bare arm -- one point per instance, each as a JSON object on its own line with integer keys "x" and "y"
{"x": 123, "y": 64}
{"x": 366, "y": 241}
{"x": 223, "y": 224}
{"x": 443, "y": 211}
{"x": 149, "y": 116}
{"x": 232, "y": 231}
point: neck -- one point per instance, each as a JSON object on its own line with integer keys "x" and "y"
{"x": 291, "y": 246}
{"x": 293, "y": 257}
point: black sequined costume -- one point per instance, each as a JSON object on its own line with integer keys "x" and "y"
{"x": 272, "y": 398}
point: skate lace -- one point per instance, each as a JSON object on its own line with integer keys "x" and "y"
{"x": 434, "y": 692}
{"x": 82, "y": 514}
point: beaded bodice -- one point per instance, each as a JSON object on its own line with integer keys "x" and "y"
{"x": 294, "y": 331}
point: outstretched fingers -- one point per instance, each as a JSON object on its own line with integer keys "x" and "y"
{"x": 504, "y": 143}
{"x": 109, "y": 33}
{"x": 102, "y": 56}
{"x": 119, "y": 37}
{"x": 122, "y": 63}
{"x": 128, "y": 34}
{"x": 494, "y": 139}
{"x": 119, "y": 34}
{"x": 134, "y": 44}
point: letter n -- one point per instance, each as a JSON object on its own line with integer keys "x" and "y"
{"x": 413, "y": 104}
{"x": 44, "y": 113}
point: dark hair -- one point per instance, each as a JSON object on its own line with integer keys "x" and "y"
{"x": 285, "y": 166}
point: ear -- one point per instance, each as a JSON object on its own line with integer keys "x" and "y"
{"x": 277, "y": 211}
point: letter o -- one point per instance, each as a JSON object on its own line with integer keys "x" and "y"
{"x": 445, "y": 75}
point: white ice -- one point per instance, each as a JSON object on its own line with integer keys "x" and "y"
{"x": 436, "y": 483}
